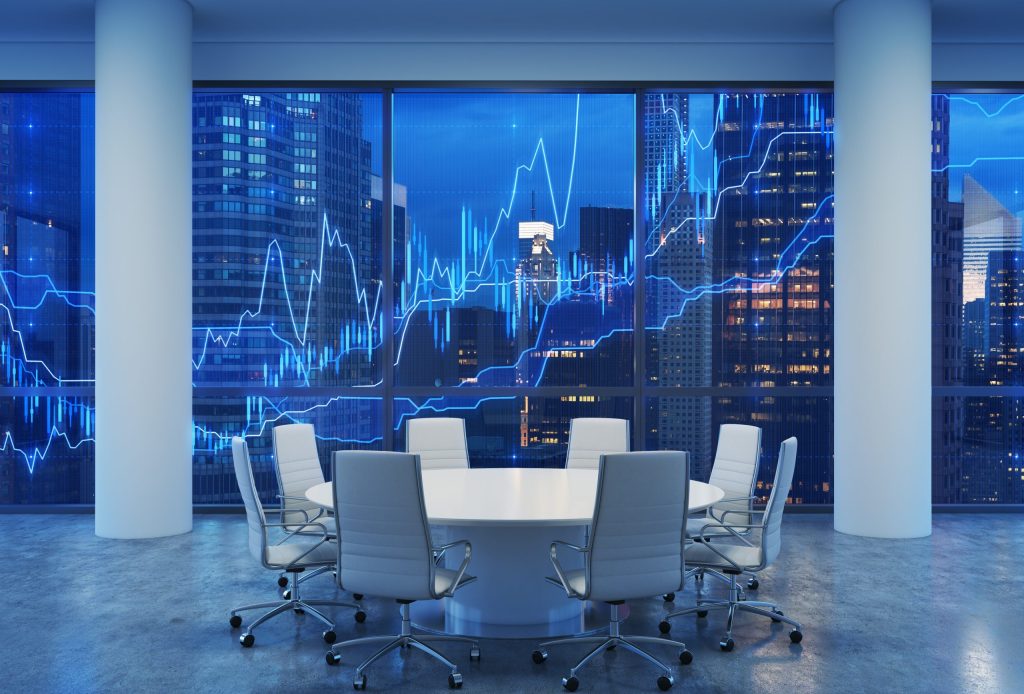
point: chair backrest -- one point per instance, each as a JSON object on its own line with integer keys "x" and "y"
{"x": 440, "y": 442}
{"x": 771, "y": 534}
{"x": 735, "y": 467}
{"x": 253, "y": 508}
{"x": 297, "y": 462}
{"x": 590, "y": 437}
{"x": 639, "y": 525}
{"x": 383, "y": 536}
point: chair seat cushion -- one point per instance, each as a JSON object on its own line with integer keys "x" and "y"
{"x": 443, "y": 579}
{"x": 289, "y": 553}
{"x": 700, "y": 554}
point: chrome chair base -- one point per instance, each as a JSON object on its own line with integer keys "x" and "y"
{"x": 613, "y": 640}
{"x": 735, "y": 603}
{"x": 406, "y": 639}
{"x": 293, "y": 602}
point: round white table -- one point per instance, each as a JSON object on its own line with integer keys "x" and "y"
{"x": 510, "y": 516}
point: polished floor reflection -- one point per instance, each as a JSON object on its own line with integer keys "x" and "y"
{"x": 933, "y": 615}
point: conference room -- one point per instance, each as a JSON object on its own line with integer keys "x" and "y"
{"x": 549, "y": 347}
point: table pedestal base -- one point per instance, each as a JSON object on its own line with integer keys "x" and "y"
{"x": 510, "y": 598}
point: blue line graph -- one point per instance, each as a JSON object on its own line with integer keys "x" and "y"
{"x": 477, "y": 303}
{"x": 299, "y": 355}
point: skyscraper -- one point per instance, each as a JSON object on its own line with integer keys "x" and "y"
{"x": 680, "y": 253}
{"x": 995, "y": 424}
{"x": 947, "y": 308}
{"x": 775, "y": 328}
{"x": 606, "y": 234}
{"x": 975, "y": 334}
{"x": 536, "y": 287}
{"x": 284, "y": 274}
{"x": 988, "y": 226}
{"x": 1004, "y": 296}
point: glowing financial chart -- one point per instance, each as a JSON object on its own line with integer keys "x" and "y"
{"x": 47, "y": 304}
{"x": 515, "y": 262}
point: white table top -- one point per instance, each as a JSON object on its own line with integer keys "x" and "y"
{"x": 514, "y": 496}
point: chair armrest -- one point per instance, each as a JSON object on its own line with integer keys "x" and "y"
{"x": 711, "y": 509}
{"x": 323, "y": 535}
{"x": 305, "y": 515}
{"x": 559, "y": 571}
{"x": 745, "y": 512}
{"x": 462, "y": 567}
{"x": 294, "y": 498}
{"x": 305, "y": 512}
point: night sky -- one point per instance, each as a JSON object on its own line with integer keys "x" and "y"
{"x": 462, "y": 149}
{"x": 988, "y": 125}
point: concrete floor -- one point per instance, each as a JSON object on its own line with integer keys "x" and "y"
{"x": 941, "y": 614}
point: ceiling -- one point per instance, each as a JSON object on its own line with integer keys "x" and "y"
{"x": 382, "y": 21}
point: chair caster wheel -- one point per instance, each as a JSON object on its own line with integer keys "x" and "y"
{"x": 611, "y": 647}
{"x": 796, "y": 636}
{"x": 455, "y": 681}
{"x": 299, "y": 610}
{"x": 669, "y": 597}
{"x": 753, "y": 584}
{"x": 247, "y": 640}
{"x": 357, "y": 596}
{"x": 236, "y": 621}
{"x": 686, "y": 657}
{"x": 664, "y": 683}
{"x": 664, "y": 627}
{"x": 702, "y": 613}
{"x": 474, "y": 653}
{"x": 360, "y": 616}
{"x": 726, "y": 645}
{"x": 539, "y": 656}
{"x": 286, "y": 595}
{"x": 333, "y": 658}
{"x": 570, "y": 683}
{"x": 282, "y": 581}
{"x": 330, "y": 636}
{"x": 359, "y": 682}
{"x": 778, "y": 612}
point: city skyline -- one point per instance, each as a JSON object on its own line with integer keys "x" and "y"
{"x": 288, "y": 230}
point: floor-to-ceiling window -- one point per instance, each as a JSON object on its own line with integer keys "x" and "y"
{"x": 47, "y": 306}
{"x": 514, "y": 265}
{"x": 503, "y": 288}
{"x": 287, "y": 277}
{"x": 978, "y": 297}
{"x": 737, "y": 245}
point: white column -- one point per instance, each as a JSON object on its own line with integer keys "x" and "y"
{"x": 143, "y": 268}
{"x": 882, "y": 326}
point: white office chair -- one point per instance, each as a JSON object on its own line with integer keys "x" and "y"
{"x": 297, "y": 464}
{"x": 737, "y": 458}
{"x": 440, "y": 442}
{"x": 633, "y": 551}
{"x": 590, "y": 437}
{"x": 384, "y": 548}
{"x": 744, "y": 555}
{"x": 293, "y": 555}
